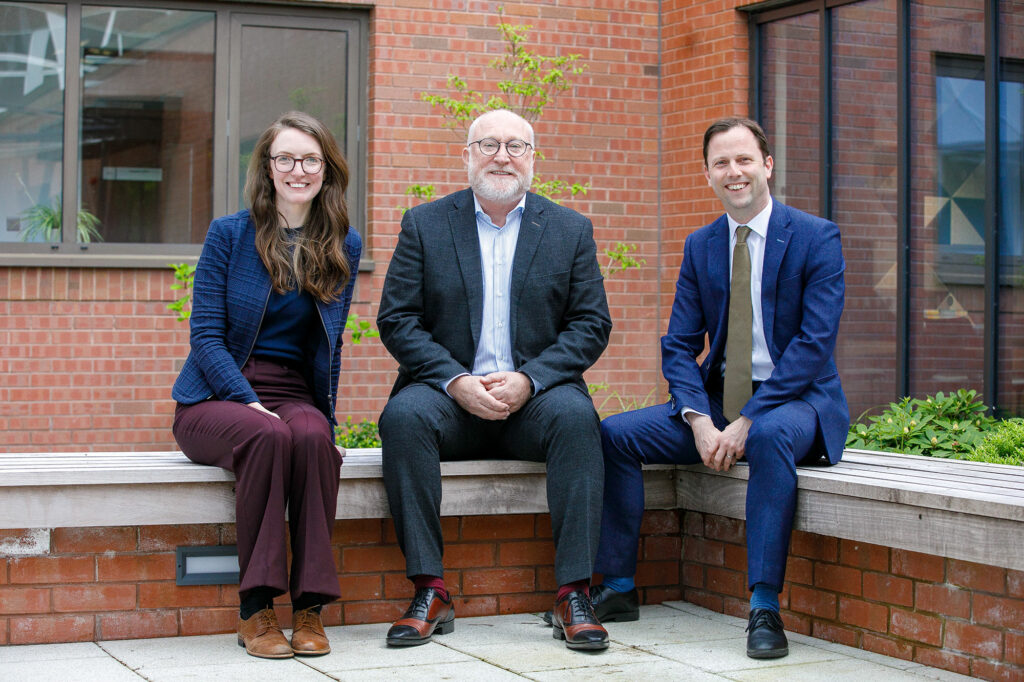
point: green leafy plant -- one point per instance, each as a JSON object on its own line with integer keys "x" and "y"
{"x": 44, "y": 221}
{"x": 1004, "y": 444}
{"x": 360, "y": 329}
{"x": 614, "y": 402}
{"x": 620, "y": 259}
{"x": 361, "y": 435}
{"x": 529, "y": 82}
{"x": 936, "y": 426}
{"x": 184, "y": 275}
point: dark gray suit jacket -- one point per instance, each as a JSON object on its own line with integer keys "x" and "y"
{"x": 431, "y": 307}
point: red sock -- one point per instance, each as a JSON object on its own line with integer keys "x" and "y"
{"x": 579, "y": 585}
{"x": 424, "y": 581}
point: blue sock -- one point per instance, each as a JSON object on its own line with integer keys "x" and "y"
{"x": 619, "y": 583}
{"x": 764, "y": 597}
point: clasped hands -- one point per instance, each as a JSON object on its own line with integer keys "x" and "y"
{"x": 719, "y": 450}
{"x": 493, "y": 396}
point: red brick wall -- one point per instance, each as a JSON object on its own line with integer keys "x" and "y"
{"x": 118, "y": 583}
{"x": 88, "y": 356}
{"x": 950, "y": 614}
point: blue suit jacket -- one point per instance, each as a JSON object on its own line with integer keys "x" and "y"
{"x": 431, "y": 307}
{"x": 802, "y": 293}
{"x": 230, "y": 294}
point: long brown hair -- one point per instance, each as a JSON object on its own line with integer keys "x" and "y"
{"x": 318, "y": 263}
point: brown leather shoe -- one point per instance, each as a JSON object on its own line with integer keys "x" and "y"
{"x": 427, "y": 615}
{"x": 573, "y": 620}
{"x": 308, "y": 636}
{"x": 261, "y": 636}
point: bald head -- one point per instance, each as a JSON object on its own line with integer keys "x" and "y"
{"x": 501, "y": 116}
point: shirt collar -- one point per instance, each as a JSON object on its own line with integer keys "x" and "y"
{"x": 758, "y": 223}
{"x": 520, "y": 207}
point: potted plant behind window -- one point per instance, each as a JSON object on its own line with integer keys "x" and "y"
{"x": 43, "y": 221}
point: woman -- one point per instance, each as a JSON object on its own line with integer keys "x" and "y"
{"x": 256, "y": 395}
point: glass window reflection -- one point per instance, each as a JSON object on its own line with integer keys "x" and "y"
{"x": 31, "y": 121}
{"x": 147, "y": 122}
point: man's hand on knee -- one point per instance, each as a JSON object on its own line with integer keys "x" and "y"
{"x": 471, "y": 395}
{"x": 731, "y": 444}
{"x": 705, "y": 436}
{"x": 511, "y": 388}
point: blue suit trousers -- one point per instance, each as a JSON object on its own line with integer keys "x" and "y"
{"x": 776, "y": 443}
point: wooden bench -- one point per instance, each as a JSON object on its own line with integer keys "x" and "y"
{"x": 963, "y": 510}
{"x": 901, "y": 555}
{"x": 50, "y": 490}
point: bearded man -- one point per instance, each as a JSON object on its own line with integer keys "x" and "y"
{"x": 494, "y": 306}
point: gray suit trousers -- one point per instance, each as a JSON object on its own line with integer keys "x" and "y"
{"x": 421, "y": 427}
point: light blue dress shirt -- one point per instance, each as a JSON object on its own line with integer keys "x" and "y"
{"x": 497, "y": 251}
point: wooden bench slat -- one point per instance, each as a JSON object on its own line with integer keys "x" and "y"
{"x": 967, "y": 510}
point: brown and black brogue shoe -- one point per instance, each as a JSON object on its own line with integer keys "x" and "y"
{"x": 429, "y": 614}
{"x": 573, "y": 620}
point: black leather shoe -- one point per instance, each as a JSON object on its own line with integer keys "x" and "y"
{"x": 766, "y": 638}
{"x": 574, "y": 621}
{"x": 611, "y": 606}
{"x": 429, "y": 614}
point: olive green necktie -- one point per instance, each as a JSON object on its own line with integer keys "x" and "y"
{"x": 739, "y": 339}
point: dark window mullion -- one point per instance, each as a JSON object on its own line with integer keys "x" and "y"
{"x": 903, "y": 135}
{"x": 992, "y": 171}
{"x": 72, "y": 126}
{"x": 825, "y": 111}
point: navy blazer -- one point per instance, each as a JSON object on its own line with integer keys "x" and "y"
{"x": 431, "y": 307}
{"x": 230, "y": 295}
{"x": 802, "y": 293}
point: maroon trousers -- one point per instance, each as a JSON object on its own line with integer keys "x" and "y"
{"x": 290, "y": 462}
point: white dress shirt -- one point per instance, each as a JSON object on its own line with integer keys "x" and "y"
{"x": 761, "y": 360}
{"x": 497, "y": 250}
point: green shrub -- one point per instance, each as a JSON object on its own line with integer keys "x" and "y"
{"x": 1004, "y": 444}
{"x": 361, "y": 435}
{"x": 937, "y": 426}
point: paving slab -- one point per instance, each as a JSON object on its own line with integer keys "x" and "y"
{"x": 629, "y": 672}
{"x": 552, "y": 654}
{"x": 726, "y": 655}
{"x": 257, "y": 670}
{"x": 843, "y": 670}
{"x": 146, "y": 655}
{"x": 373, "y": 654}
{"x": 675, "y": 640}
{"x": 471, "y": 670}
{"x": 681, "y": 628}
{"x": 78, "y": 669}
{"x": 49, "y": 652}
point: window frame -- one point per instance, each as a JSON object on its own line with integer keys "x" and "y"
{"x": 69, "y": 253}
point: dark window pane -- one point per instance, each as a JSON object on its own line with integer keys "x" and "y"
{"x": 1011, "y": 214}
{"x": 947, "y": 296}
{"x": 147, "y": 123}
{"x": 272, "y": 84}
{"x": 864, "y": 196}
{"x": 31, "y": 121}
{"x": 789, "y": 108}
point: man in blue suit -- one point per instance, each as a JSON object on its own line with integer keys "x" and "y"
{"x": 493, "y": 306}
{"x": 764, "y": 285}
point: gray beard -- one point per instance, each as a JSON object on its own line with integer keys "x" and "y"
{"x": 486, "y": 190}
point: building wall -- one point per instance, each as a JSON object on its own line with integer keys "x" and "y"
{"x": 89, "y": 584}
{"x": 940, "y": 612}
{"x": 88, "y": 355}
